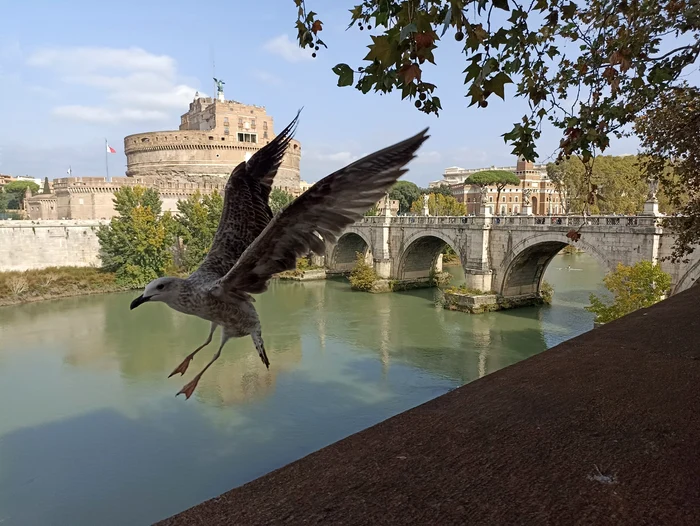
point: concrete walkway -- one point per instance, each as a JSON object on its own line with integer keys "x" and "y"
{"x": 602, "y": 429}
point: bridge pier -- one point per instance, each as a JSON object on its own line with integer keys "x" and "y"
{"x": 478, "y": 279}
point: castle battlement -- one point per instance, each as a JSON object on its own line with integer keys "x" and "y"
{"x": 213, "y": 138}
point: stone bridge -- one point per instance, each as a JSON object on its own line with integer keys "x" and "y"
{"x": 509, "y": 254}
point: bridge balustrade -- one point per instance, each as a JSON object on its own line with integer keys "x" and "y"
{"x": 570, "y": 220}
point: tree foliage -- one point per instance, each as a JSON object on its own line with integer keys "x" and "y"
{"x": 619, "y": 182}
{"x": 442, "y": 189}
{"x": 363, "y": 275}
{"x": 439, "y": 205}
{"x": 15, "y": 191}
{"x": 670, "y": 132}
{"x": 136, "y": 244}
{"x": 279, "y": 199}
{"x": 3, "y": 201}
{"x": 588, "y": 67}
{"x": 405, "y": 192}
{"x": 197, "y": 222}
{"x": 636, "y": 287}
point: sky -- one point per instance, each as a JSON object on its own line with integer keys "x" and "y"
{"x": 73, "y": 75}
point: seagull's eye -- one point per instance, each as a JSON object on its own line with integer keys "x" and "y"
{"x": 160, "y": 287}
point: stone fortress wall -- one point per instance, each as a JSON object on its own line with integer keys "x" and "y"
{"x": 213, "y": 138}
{"x": 28, "y": 245}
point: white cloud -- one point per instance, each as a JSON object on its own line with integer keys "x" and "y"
{"x": 135, "y": 85}
{"x": 288, "y": 50}
{"x": 345, "y": 157}
{"x": 428, "y": 157}
{"x": 266, "y": 78}
{"x": 97, "y": 114}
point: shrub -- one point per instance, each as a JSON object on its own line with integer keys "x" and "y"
{"x": 636, "y": 287}
{"x": 546, "y": 292}
{"x": 363, "y": 275}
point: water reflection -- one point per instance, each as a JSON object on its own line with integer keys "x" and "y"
{"x": 91, "y": 432}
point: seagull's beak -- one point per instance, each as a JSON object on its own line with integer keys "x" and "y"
{"x": 138, "y": 301}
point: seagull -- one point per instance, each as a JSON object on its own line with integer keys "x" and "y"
{"x": 250, "y": 246}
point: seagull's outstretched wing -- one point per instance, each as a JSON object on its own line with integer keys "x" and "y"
{"x": 324, "y": 210}
{"x": 246, "y": 209}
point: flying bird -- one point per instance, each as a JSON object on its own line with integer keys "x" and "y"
{"x": 250, "y": 246}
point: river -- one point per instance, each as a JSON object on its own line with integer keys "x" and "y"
{"x": 91, "y": 432}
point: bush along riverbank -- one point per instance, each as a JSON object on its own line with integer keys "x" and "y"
{"x": 55, "y": 282}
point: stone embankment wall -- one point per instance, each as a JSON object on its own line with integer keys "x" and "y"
{"x": 30, "y": 245}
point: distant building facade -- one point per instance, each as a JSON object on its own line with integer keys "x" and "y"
{"x": 542, "y": 193}
{"x": 215, "y": 135}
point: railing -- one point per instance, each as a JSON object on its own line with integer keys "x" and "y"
{"x": 497, "y": 221}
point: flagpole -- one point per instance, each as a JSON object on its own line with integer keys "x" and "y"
{"x": 106, "y": 161}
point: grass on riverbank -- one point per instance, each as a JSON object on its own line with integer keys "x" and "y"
{"x": 55, "y": 282}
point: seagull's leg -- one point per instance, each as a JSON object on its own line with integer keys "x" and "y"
{"x": 260, "y": 346}
{"x": 186, "y": 362}
{"x": 190, "y": 387}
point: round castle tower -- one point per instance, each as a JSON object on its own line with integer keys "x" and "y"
{"x": 214, "y": 136}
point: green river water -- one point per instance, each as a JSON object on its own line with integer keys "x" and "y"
{"x": 91, "y": 432}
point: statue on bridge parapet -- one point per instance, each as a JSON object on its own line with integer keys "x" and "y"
{"x": 527, "y": 192}
{"x": 653, "y": 183}
{"x": 426, "y": 210}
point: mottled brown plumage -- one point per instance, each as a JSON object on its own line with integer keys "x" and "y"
{"x": 250, "y": 246}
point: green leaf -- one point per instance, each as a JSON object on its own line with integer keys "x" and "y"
{"x": 381, "y": 50}
{"x": 407, "y": 30}
{"x": 569, "y": 10}
{"x": 496, "y": 84}
{"x": 345, "y": 74}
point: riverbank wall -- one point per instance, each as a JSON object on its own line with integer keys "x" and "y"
{"x": 34, "y": 245}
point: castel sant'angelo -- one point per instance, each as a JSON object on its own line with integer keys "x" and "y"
{"x": 214, "y": 136}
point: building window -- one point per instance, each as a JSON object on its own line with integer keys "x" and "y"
{"x": 226, "y": 131}
{"x": 516, "y": 198}
{"x": 264, "y": 125}
{"x": 248, "y": 137}
{"x": 225, "y": 121}
{"x": 490, "y": 199}
{"x": 240, "y": 122}
{"x": 264, "y": 135}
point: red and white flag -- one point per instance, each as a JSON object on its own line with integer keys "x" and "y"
{"x": 110, "y": 149}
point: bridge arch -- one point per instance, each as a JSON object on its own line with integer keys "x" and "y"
{"x": 522, "y": 271}
{"x": 420, "y": 253}
{"x": 345, "y": 251}
{"x": 690, "y": 278}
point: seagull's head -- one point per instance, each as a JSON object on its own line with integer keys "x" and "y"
{"x": 166, "y": 290}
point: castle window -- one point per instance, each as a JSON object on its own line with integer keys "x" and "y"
{"x": 264, "y": 135}
{"x": 248, "y": 137}
{"x": 225, "y": 121}
{"x": 264, "y": 125}
{"x": 225, "y": 133}
{"x": 211, "y": 137}
{"x": 240, "y": 122}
